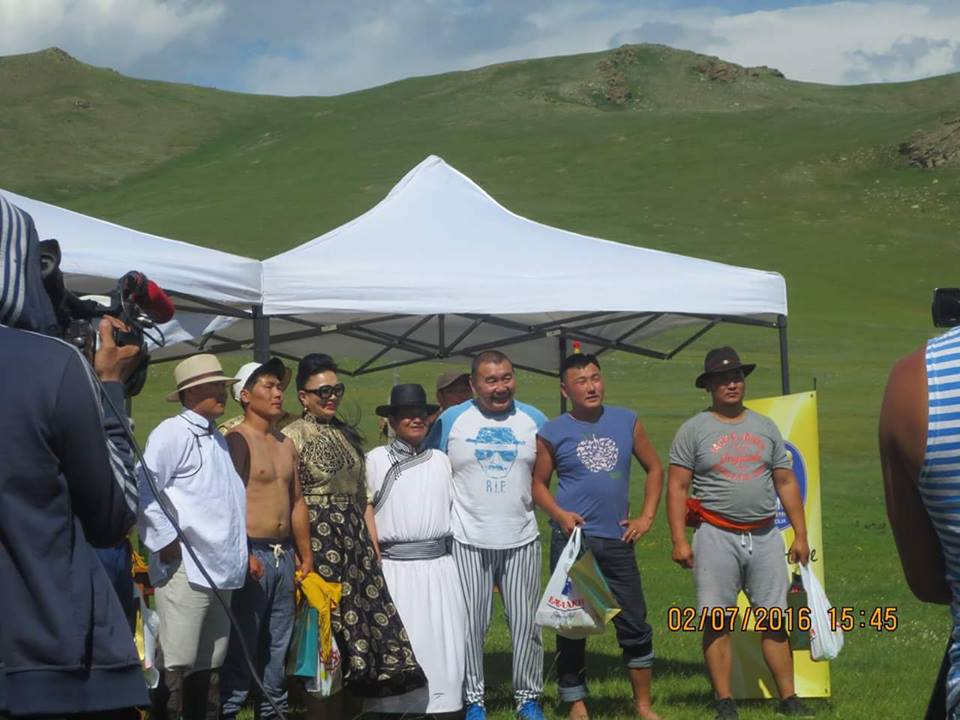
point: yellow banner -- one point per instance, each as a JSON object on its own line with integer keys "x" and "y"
{"x": 796, "y": 416}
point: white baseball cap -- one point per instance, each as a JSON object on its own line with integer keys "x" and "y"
{"x": 252, "y": 370}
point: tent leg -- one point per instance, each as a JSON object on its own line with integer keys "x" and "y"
{"x": 784, "y": 357}
{"x": 562, "y": 348}
{"x": 441, "y": 335}
{"x": 261, "y": 335}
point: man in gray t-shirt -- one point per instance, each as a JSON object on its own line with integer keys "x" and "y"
{"x": 728, "y": 465}
{"x": 732, "y": 462}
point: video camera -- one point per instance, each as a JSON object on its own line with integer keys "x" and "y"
{"x": 946, "y": 307}
{"x": 139, "y": 303}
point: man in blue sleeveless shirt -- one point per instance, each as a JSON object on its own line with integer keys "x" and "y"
{"x": 919, "y": 455}
{"x": 591, "y": 448}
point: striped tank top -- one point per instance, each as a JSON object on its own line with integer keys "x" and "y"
{"x": 940, "y": 478}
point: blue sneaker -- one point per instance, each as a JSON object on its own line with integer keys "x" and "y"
{"x": 475, "y": 711}
{"x": 530, "y": 710}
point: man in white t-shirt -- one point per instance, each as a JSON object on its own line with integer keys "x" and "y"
{"x": 492, "y": 444}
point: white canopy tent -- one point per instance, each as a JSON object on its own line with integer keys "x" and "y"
{"x": 218, "y": 287}
{"x": 439, "y": 269}
{"x": 436, "y": 270}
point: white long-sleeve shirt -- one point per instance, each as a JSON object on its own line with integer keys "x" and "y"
{"x": 191, "y": 464}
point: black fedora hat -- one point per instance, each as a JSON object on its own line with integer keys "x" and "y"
{"x": 721, "y": 360}
{"x": 407, "y": 395}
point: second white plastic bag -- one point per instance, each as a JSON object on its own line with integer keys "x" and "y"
{"x": 825, "y": 642}
{"x": 562, "y": 608}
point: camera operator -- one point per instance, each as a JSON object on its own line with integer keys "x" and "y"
{"x": 66, "y": 484}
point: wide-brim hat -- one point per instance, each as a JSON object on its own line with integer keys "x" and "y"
{"x": 250, "y": 371}
{"x": 450, "y": 377}
{"x": 721, "y": 360}
{"x": 197, "y": 370}
{"x": 407, "y": 395}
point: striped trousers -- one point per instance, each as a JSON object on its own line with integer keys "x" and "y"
{"x": 516, "y": 571}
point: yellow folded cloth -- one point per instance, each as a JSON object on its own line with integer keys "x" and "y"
{"x": 324, "y": 596}
{"x": 137, "y": 563}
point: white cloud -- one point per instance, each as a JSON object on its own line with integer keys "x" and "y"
{"x": 845, "y": 42}
{"x": 321, "y": 47}
{"x": 842, "y": 42}
{"x": 103, "y": 32}
{"x": 378, "y": 42}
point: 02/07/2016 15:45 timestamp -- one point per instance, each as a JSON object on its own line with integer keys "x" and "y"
{"x": 847, "y": 619}
{"x": 775, "y": 619}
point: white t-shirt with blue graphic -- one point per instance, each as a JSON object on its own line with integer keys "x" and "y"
{"x": 492, "y": 458}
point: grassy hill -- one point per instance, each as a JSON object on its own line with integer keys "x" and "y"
{"x": 645, "y": 145}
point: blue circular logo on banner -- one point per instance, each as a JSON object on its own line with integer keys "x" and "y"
{"x": 800, "y": 471}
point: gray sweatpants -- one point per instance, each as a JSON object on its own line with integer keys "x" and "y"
{"x": 516, "y": 571}
{"x": 727, "y": 561}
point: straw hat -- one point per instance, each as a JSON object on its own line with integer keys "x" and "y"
{"x": 197, "y": 370}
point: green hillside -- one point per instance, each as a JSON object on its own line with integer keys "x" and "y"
{"x": 644, "y": 144}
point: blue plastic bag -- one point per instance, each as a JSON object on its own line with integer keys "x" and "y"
{"x": 304, "y": 646}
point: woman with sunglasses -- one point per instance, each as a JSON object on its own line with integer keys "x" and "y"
{"x": 377, "y": 659}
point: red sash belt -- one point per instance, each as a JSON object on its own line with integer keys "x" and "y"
{"x": 697, "y": 514}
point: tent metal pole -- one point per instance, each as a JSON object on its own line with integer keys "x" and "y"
{"x": 208, "y": 305}
{"x": 562, "y": 348}
{"x": 448, "y": 349}
{"x": 613, "y": 345}
{"x": 261, "y": 335}
{"x": 693, "y": 338}
{"x": 784, "y": 357}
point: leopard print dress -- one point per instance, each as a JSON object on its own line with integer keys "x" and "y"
{"x": 376, "y": 654}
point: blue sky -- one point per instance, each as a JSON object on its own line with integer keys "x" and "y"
{"x": 325, "y": 47}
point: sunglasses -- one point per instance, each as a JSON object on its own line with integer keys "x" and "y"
{"x": 325, "y": 392}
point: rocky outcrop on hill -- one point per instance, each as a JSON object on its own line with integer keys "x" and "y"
{"x": 936, "y": 147}
{"x": 57, "y": 55}
{"x": 717, "y": 70}
{"x": 649, "y": 76}
{"x": 616, "y": 88}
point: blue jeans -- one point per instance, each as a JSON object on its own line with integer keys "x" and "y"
{"x": 618, "y": 563}
{"x": 116, "y": 561}
{"x": 265, "y": 611}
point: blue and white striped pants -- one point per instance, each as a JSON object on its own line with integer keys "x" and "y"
{"x": 516, "y": 571}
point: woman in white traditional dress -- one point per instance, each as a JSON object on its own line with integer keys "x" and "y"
{"x": 412, "y": 499}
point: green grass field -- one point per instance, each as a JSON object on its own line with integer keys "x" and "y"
{"x": 763, "y": 172}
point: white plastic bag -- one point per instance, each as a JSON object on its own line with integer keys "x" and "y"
{"x": 825, "y": 642}
{"x": 329, "y": 678}
{"x": 562, "y": 608}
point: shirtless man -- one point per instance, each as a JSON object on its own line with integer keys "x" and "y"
{"x": 276, "y": 520}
